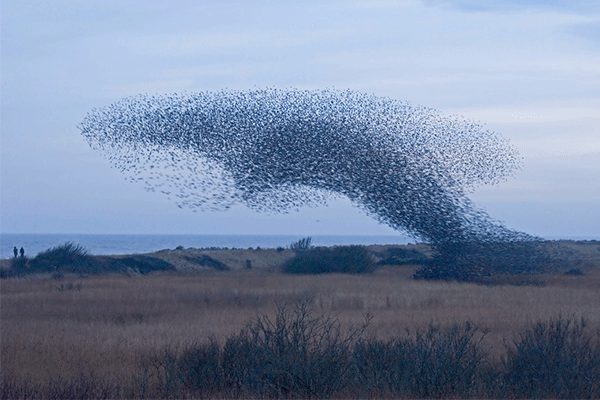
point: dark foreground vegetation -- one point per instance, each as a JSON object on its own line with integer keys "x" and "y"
{"x": 300, "y": 354}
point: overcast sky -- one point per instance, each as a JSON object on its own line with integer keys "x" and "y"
{"x": 529, "y": 70}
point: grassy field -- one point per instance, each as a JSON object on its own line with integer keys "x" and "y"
{"x": 110, "y": 327}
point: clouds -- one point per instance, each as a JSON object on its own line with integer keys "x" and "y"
{"x": 60, "y": 59}
{"x": 589, "y": 31}
{"x": 581, "y": 19}
{"x": 569, "y": 6}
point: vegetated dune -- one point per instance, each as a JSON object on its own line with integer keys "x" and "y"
{"x": 575, "y": 257}
{"x": 271, "y": 259}
{"x": 570, "y": 255}
{"x": 226, "y": 259}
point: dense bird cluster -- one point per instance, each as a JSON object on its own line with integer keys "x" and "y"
{"x": 408, "y": 166}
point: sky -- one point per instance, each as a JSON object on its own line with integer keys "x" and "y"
{"x": 528, "y": 70}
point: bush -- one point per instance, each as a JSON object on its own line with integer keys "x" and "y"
{"x": 302, "y": 244}
{"x": 74, "y": 258}
{"x": 67, "y": 257}
{"x": 434, "y": 363}
{"x": 555, "y": 359}
{"x": 448, "y": 361}
{"x": 302, "y": 355}
{"x": 207, "y": 261}
{"x": 480, "y": 261}
{"x": 201, "y": 368}
{"x": 401, "y": 256}
{"x": 322, "y": 260}
{"x": 297, "y": 355}
{"x": 137, "y": 263}
{"x": 18, "y": 266}
{"x": 574, "y": 272}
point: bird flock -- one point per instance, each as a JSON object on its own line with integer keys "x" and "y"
{"x": 410, "y": 167}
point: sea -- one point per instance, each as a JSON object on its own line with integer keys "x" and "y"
{"x": 105, "y": 244}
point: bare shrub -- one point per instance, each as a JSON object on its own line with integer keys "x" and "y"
{"x": 433, "y": 363}
{"x": 297, "y": 355}
{"x": 164, "y": 374}
{"x": 555, "y": 359}
{"x": 201, "y": 369}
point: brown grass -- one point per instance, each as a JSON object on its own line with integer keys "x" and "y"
{"x": 108, "y": 325}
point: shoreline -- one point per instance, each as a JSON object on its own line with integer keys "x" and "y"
{"x": 562, "y": 242}
{"x": 120, "y": 244}
{"x": 581, "y": 257}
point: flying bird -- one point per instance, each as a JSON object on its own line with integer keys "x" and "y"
{"x": 410, "y": 167}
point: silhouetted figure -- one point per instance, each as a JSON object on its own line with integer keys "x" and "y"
{"x": 15, "y": 251}
{"x": 22, "y": 251}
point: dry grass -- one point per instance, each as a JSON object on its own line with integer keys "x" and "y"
{"x": 234, "y": 258}
{"x": 108, "y": 325}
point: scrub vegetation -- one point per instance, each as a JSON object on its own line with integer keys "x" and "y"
{"x": 242, "y": 333}
{"x": 71, "y": 258}
{"x": 324, "y": 260}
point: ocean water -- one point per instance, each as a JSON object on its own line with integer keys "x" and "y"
{"x": 132, "y": 244}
